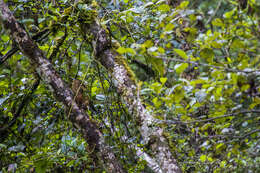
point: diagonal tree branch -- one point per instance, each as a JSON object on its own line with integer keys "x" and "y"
{"x": 38, "y": 37}
{"x": 153, "y": 137}
{"x": 60, "y": 90}
{"x": 8, "y": 54}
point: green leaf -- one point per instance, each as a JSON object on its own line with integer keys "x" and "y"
{"x": 245, "y": 87}
{"x": 158, "y": 65}
{"x": 5, "y": 38}
{"x": 223, "y": 164}
{"x": 163, "y": 80}
{"x": 210, "y": 159}
{"x": 181, "y": 67}
{"x": 156, "y": 87}
{"x": 256, "y": 101}
{"x": 205, "y": 126}
{"x": 169, "y": 27}
{"x": 229, "y": 14}
{"x": 157, "y": 103}
{"x": 181, "y": 53}
{"x": 121, "y": 50}
{"x": 207, "y": 54}
{"x": 219, "y": 146}
{"x": 3, "y": 146}
{"x": 147, "y": 44}
{"x": 161, "y": 50}
{"x": 71, "y": 163}
{"x": 130, "y": 50}
{"x": 203, "y": 158}
{"x": 218, "y": 92}
{"x": 236, "y": 44}
{"x": 215, "y": 44}
{"x": 164, "y": 8}
{"x": 217, "y": 22}
{"x": 184, "y": 4}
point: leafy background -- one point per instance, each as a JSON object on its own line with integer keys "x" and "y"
{"x": 198, "y": 67}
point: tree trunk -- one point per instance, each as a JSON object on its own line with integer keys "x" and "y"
{"x": 60, "y": 90}
{"x": 126, "y": 86}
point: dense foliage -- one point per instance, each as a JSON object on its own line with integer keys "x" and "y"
{"x": 198, "y": 70}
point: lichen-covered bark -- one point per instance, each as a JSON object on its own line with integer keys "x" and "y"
{"x": 150, "y": 161}
{"x": 126, "y": 85}
{"x": 60, "y": 90}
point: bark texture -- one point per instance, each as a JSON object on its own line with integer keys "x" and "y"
{"x": 60, "y": 90}
{"x": 126, "y": 86}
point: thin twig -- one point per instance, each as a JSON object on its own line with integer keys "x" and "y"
{"x": 215, "y": 12}
{"x": 23, "y": 104}
{"x": 208, "y": 65}
{"x": 209, "y": 119}
{"x": 249, "y": 133}
{"x": 79, "y": 61}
